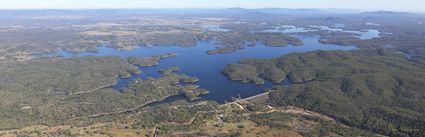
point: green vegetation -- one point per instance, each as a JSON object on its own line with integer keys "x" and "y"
{"x": 254, "y": 71}
{"x": 55, "y": 91}
{"x": 207, "y": 119}
{"x": 232, "y": 41}
{"x": 377, "y": 90}
{"x": 44, "y": 91}
{"x": 20, "y": 39}
{"x": 166, "y": 85}
{"x": 327, "y": 128}
{"x": 200, "y": 118}
{"x": 149, "y": 61}
{"x": 274, "y": 119}
{"x": 63, "y": 76}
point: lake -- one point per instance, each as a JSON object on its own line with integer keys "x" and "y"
{"x": 363, "y": 34}
{"x": 195, "y": 62}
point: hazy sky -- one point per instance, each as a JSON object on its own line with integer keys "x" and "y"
{"x": 394, "y": 5}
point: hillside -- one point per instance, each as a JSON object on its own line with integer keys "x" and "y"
{"x": 376, "y": 90}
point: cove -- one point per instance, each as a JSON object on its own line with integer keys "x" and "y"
{"x": 195, "y": 62}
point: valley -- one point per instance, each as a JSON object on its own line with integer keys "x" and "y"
{"x": 249, "y": 72}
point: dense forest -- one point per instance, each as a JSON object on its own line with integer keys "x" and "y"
{"x": 53, "y": 91}
{"x": 378, "y": 90}
{"x": 62, "y": 76}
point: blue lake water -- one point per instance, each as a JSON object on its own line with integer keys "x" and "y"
{"x": 290, "y": 29}
{"x": 195, "y": 62}
{"x": 363, "y": 35}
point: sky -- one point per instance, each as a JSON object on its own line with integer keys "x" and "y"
{"x": 367, "y": 5}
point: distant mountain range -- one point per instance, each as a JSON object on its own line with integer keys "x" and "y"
{"x": 193, "y": 11}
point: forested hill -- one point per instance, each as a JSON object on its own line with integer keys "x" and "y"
{"x": 377, "y": 90}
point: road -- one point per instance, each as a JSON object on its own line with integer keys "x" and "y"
{"x": 245, "y": 99}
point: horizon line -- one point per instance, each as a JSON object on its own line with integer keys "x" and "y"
{"x": 218, "y": 8}
{"x": 212, "y": 8}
